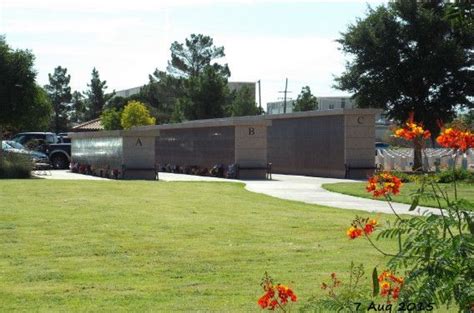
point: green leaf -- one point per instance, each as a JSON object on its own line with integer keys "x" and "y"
{"x": 470, "y": 223}
{"x": 375, "y": 282}
{"x": 414, "y": 204}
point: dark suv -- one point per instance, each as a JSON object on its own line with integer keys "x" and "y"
{"x": 59, "y": 153}
{"x": 35, "y": 137}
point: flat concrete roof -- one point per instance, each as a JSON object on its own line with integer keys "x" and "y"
{"x": 116, "y": 133}
{"x": 257, "y": 120}
{"x": 322, "y": 113}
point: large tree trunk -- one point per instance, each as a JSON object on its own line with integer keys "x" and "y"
{"x": 417, "y": 156}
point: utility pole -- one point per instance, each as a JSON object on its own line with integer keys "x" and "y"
{"x": 284, "y": 97}
{"x": 259, "y": 97}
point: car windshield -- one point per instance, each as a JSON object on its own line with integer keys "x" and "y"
{"x": 15, "y": 144}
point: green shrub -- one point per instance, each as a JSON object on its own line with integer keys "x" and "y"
{"x": 406, "y": 177}
{"x": 15, "y": 166}
{"x": 461, "y": 175}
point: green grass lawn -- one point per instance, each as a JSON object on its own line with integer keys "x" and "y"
{"x": 465, "y": 191}
{"x": 157, "y": 246}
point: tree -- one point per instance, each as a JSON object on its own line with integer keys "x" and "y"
{"x": 22, "y": 103}
{"x": 136, "y": 114}
{"x": 305, "y": 101}
{"x": 244, "y": 103}
{"x": 205, "y": 95}
{"x": 191, "y": 58}
{"x": 161, "y": 94}
{"x": 96, "y": 97}
{"x": 411, "y": 57}
{"x": 118, "y": 103}
{"x": 78, "y": 109}
{"x": 60, "y": 94}
{"x": 111, "y": 119}
{"x": 39, "y": 116}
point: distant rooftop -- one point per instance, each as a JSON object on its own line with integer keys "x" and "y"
{"x": 92, "y": 125}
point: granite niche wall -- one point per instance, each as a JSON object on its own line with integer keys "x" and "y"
{"x": 315, "y": 143}
{"x": 322, "y": 143}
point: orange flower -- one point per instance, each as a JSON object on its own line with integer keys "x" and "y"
{"x": 390, "y": 285}
{"x": 456, "y": 139}
{"x": 384, "y": 183}
{"x": 361, "y": 226}
{"x": 370, "y": 226}
{"x": 412, "y": 130}
{"x": 384, "y": 288}
{"x": 265, "y": 300}
{"x": 354, "y": 232}
{"x": 395, "y": 293}
{"x": 284, "y": 293}
{"x": 270, "y": 300}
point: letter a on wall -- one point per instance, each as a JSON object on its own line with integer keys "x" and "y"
{"x": 139, "y": 142}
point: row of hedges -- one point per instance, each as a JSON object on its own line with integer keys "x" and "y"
{"x": 15, "y": 166}
{"x": 461, "y": 175}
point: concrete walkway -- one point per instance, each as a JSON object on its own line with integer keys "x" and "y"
{"x": 298, "y": 188}
{"x": 64, "y": 174}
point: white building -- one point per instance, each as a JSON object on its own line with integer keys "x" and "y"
{"x": 232, "y": 86}
{"x": 324, "y": 103}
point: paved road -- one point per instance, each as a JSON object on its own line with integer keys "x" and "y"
{"x": 289, "y": 187}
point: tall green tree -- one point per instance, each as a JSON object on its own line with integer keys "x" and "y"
{"x": 96, "y": 96}
{"x": 161, "y": 94}
{"x": 411, "y": 56}
{"x": 205, "y": 95}
{"x": 78, "y": 107}
{"x": 22, "y": 103}
{"x": 59, "y": 92}
{"x": 244, "y": 103}
{"x": 191, "y": 58}
{"x": 305, "y": 101}
{"x": 39, "y": 116}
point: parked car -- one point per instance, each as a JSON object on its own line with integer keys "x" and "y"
{"x": 15, "y": 147}
{"x": 59, "y": 152}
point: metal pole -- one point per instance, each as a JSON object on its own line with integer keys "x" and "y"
{"x": 286, "y": 91}
{"x": 259, "y": 96}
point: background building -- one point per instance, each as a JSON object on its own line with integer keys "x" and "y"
{"x": 277, "y": 107}
{"x": 127, "y": 92}
{"x": 233, "y": 86}
{"x": 330, "y": 103}
{"x": 324, "y": 103}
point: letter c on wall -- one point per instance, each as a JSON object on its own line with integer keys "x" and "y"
{"x": 360, "y": 120}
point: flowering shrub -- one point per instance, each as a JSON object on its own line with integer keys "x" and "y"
{"x": 412, "y": 130}
{"x": 275, "y": 296}
{"x": 435, "y": 250}
{"x": 383, "y": 184}
{"x": 456, "y": 139}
